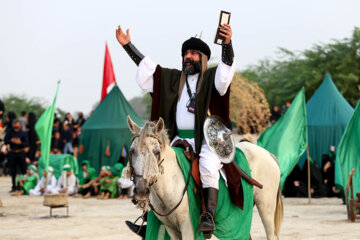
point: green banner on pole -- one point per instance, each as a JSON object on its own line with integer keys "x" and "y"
{"x": 44, "y": 127}
{"x": 287, "y": 138}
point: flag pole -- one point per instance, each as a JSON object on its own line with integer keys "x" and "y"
{"x": 308, "y": 164}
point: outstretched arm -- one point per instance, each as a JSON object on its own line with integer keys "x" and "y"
{"x": 125, "y": 40}
{"x": 226, "y": 69}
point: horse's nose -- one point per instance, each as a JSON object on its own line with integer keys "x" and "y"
{"x": 143, "y": 192}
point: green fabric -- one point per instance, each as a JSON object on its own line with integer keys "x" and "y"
{"x": 44, "y": 127}
{"x": 348, "y": 153}
{"x": 112, "y": 188}
{"x": 107, "y": 124}
{"x": 29, "y": 183}
{"x": 67, "y": 168}
{"x": 57, "y": 161}
{"x": 327, "y": 115}
{"x": 186, "y": 133}
{"x": 119, "y": 167}
{"x": 287, "y": 138}
{"x": 90, "y": 171}
{"x": 32, "y": 167}
{"x": 231, "y": 222}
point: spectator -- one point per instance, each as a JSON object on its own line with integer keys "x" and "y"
{"x": 126, "y": 185}
{"x": 28, "y": 182}
{"x": 87, "y": 174}
{"x": 2, "y": 109}
{"x": 68, "y": 148}
{"x": 46, "y": 184}
{"x": 18, "y": 141}
{"x": 57, "y": 145}
{"x": 108, "y": 185}
{"x": 11, "y": 116}
{"x": 68, "y": 120}
{"x": 33, "y": 138}
{"x": 67, "y": 182}
{"x": 275, "y": 114}
{"x": 76, "y": 141}
{"x": 81, "y": 120}
{"x": 23, "y": 120}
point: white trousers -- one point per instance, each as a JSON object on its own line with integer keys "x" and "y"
{"x": 36, "y": 191}
{"x": 70, "y": 190}
{"x": 209, "y": 165}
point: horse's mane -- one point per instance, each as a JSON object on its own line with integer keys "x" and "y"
{"x": 150, "y": 129}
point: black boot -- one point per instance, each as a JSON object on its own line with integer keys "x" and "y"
{"x": 207, "y": 224}
{"x": 139, "y": 230}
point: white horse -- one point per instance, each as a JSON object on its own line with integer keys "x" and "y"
{"x": 158, "y": 177}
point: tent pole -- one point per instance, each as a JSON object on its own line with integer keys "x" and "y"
{"x": 308, "y": 163}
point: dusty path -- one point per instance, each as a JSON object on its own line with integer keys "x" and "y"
{"x": 26, "y": 218}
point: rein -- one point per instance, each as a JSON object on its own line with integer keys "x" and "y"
{"x": 159, "y": 163}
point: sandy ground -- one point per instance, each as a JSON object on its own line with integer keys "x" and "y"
{"x": 25, "y": 218}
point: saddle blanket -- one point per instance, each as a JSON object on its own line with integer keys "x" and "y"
{"x": 230, "y": 221}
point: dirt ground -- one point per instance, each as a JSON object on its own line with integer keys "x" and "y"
{"x": 26, "y": 218}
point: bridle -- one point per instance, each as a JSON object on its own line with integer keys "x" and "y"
{"x": 131, "y": 168}
{"x": 133, "y": 174}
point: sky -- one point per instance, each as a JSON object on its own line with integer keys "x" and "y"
{"x": 43, "y": 41}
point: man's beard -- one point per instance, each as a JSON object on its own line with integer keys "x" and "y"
{"x": 194, "y": 67}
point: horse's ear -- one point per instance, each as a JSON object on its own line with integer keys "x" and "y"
{"x": 132, "y": 125}
{"x": 159, "y": 126}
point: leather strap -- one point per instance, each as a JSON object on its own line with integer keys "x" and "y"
{"x": 134, "y": 53}
{"x": 227, "y": 54}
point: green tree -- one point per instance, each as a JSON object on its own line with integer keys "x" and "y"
{"x": 283, "y": 77}
{"x": 18, "y": 103}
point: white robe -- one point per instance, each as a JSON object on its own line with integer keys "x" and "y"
{"x": 68, "y": 182}
{"x": 209, "y": 163}
{"x": 50, "y": 186}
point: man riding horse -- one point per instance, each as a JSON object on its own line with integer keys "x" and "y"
{"x": 184, "y": 99}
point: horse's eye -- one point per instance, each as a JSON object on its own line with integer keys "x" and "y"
{"x": 132, "y": 151}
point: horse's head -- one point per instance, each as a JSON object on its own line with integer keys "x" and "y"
{"x": 145, "y": 152}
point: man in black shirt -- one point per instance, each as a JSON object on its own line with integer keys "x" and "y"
{"x": 18, "y": 141}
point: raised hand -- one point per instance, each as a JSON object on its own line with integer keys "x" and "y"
{"x": 226, "y": 32}
{"x": 123, "y": 38}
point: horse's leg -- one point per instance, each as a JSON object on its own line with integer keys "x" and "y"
{"x": 174, "y": 234}
{"x": 187, "y": 231}
{"x": 265, "y": 200}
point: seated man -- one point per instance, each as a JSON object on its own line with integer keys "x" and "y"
{"x": 86, "y": 175}
{"x": 67, "y": 182}
{"x": 126, "y": 185}
{"x": 27, "y": 182}
{"x": 46, "y": 184}
{"x": 108, "y": 185}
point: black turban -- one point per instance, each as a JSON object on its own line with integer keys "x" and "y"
{"x": 195, "y": 44}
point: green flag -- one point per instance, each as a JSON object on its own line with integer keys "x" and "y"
{"x": 44, "y": 127}
{"x": 287, "y": 138}
{"x": 348, "y": 153}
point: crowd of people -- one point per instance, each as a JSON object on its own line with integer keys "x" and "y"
{"x": 322, "y": 179}
{"x": 20, "y": 153}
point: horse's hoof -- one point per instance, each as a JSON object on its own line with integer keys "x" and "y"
{"x": 207, "y": 235}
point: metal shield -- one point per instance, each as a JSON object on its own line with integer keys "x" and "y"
{"x": 219, "y": 138}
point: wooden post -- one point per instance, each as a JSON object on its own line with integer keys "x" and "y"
{"x": 309, "y": 178}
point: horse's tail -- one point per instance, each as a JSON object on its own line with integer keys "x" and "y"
{"x": 278, "y": 212}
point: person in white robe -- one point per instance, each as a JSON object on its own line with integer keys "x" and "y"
{"x": 126, "y": 185}
{"x": 67, "y": 182}
{"x": 47, "y": 183}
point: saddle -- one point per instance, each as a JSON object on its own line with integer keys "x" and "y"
{"x": 233, "y": 174}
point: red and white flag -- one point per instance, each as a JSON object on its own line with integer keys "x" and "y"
{"x": 109, "y": 76}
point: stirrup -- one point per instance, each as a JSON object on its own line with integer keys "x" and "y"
{"x": 207, "y": 214}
